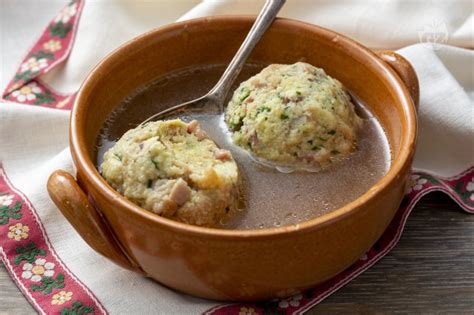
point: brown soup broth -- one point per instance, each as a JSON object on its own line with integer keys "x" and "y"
{"x": 272, "y": 198}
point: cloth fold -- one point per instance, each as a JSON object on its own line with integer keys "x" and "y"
{"x": 34, "y": 140}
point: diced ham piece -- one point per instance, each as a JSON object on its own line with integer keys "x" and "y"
{"x": 200, "y": 134}
{"x": 254, "y": 139}
{"x": 193, "y": 125}
{"x": 166, "y": 208}
{"x": 293, "y": 99}
{"x": 180, "y": 192}
{"x": 256, "y": 83}
{"x": 222, "y": 154}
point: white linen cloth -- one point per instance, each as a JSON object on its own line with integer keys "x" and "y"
{"x": 34, "y": 141}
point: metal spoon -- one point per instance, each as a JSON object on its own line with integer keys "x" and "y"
{"x": 215, "y": 98}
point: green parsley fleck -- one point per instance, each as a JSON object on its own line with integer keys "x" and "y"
{"x": 284, "y": 116}
{"x": 245, "y": 93}
{"x": 263, "y": 109}
{"x": 150, "y": 183}
{"x": 332, "y": 132}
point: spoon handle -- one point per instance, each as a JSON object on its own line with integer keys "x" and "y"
{"x": 263, "y": 21}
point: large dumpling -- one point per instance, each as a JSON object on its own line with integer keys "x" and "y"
{"x": 293, "y": 115}
{"x": 174, "y": 170}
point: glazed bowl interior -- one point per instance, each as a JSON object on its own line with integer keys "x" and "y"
{"x": 214, "y": 41}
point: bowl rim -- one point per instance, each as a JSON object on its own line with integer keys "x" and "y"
{"x": 87, "y": 169}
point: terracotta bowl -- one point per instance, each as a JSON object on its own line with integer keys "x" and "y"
{"x": 233, "y": 264}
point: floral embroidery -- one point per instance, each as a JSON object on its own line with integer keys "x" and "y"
{"x": 247, "y": 311}
{"x": 34, "y": 264}
{"x": 35, "y": 272}
{"x": 49, "y": 50}
{"x": 66, "y": 101}
{"x": 66, "y": 13}
{"x": 61, "y": 297}
{"x": 6, "y": 211}
{"x": 470, "y": 188}
{"x": 18, "y": 232}
{"x": 77, "y": 309}
{"x": 42, "y": 54}
{"x": 52, "y": 45}
{"x": 45, "y": 98}
{"x": 60, "y": 30}
{"x": 416, "y": 183}
{"x": 48, "y": 284}
{"x": 34, "y": 65}
{"x": 27, "y": 92}
{"x": 33, "y": 92}
{"x": 6, "y": 199}
{"x": 28, "y": 253}
{"x": 293, "y": 301}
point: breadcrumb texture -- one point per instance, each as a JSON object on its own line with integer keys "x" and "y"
{"x": 172, "y": 169}
{"x": 293, "y": 115}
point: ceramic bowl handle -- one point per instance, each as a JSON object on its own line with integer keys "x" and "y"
{"x": 405, "y": 71}
{"x": 75, "y": 206}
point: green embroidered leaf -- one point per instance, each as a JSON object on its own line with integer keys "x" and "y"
{"x": 7, "y": 213}
{"x": 458, "y": 187}
{"x": 269, "y": 307}
{"x": 44, "y": 98}
{"x": 59, "y": 29}
{"x": 462, "y": 191}
{"x": 77, "y": 309}
{"x": 25, "y": 75}
{"x": 28, "y": 253}
{"x": 42, "y": 54}
{"x": 48, "y": 284}
{"x": 432, "y": 180}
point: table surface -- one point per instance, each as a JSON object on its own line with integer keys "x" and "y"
{"x": 431, "y": 270}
